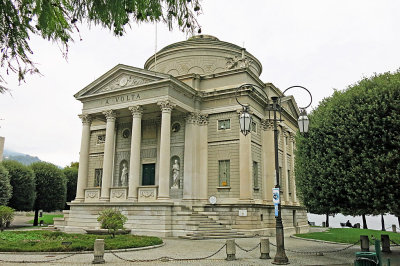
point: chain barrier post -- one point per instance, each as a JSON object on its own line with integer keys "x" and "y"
{"x": 378, "y": 251}
{"x": 264, "y": 248}
{"x": 230, "y": 249}
{"x": 385, "y": 243}
{"x": 394, "y": 228}
{"x": 98, "y": 252}
{"x": 364, "y": 242}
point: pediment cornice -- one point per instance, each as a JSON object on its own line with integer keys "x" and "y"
{"x": 119, "y": 78}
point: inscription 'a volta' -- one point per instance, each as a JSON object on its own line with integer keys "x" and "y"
{"x": 122, "y": 98}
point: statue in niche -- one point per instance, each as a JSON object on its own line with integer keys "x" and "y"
{"x": 123, "y": 181}
{"x": 175, "y": 174}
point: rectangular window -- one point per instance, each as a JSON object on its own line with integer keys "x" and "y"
{"x": 224, "y": 124}
{"x": 101, "y": 139}
{"x": 98, "y": 174}
{"x": 254, "y": 127}
{"x": 224, "y": 173}
{"x": 255, "y": 175}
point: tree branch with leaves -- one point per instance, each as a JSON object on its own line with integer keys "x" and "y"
{"x": 58, "y": 21}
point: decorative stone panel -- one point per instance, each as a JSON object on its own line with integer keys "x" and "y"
{"x": 118, "y": 194}
{"x": 92, "y": 195}
{"x": 147, "y": 193}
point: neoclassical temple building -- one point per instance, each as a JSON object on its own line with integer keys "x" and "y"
{"x": 158, "y": 142}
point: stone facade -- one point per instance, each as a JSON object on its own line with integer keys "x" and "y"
{"x": 158, "y": 142}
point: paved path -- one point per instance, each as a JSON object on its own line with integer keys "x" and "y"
{"x": 179, "y": 248}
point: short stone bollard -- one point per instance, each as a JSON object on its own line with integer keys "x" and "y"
{"x": 394, "y": 228}
{"x": 230, "y": 249}
{"x": 264, "y": 248}
{"x": 98, "y": 252}
{"x": 364, "y": 242}
{"x": 385, "y": 243}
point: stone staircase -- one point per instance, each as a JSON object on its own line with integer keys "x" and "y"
{"x": 201, "y": 225}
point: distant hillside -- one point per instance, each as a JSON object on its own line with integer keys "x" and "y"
{"x": 20, "y": 157}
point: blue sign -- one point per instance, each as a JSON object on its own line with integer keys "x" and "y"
{"x": 275, "y": 195}
{"x": 276, "y": 210}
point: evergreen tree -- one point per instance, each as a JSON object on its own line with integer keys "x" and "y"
{"x": 349, "y": 162}
{"x": 22, "y": 180}
{"x": 5, "y": 187}
{"x": 51, "y": 188}
{"x": 58, "y": 21}
{"x": 71, "y": 174}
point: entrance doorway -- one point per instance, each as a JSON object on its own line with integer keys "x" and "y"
{"x": 148, "y": 174}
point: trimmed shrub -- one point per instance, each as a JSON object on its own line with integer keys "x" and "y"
{"x": 5, "y": 187}
{"x": 112, "y": 220}
{"x": 22, "y": 180}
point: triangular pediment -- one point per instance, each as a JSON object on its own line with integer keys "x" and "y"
{"x": 119, "y": 78}
{"x": 290, "y": 106}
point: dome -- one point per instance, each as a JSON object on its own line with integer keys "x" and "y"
{"x": 202, "y": 54}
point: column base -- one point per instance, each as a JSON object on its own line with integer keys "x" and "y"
{"x": 104, "y": 199}
{"x": 78, "y": 200}
{"x": 164, "y": 199}
{"x": 132, "y": 199}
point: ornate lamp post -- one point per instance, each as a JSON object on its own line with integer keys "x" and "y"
{"x": 303, "y": 122}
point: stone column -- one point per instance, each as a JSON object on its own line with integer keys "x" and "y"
{"x": 108, "y": 155}
{"x": 285, "y": 180}
{"x": 189, "y": 171}
{"x": 203, "y": 158}
{"x": 245, "y": 167}
{"x": 134, "y": 162}
{"x": 83, "y": 158}
{"x": 292, "y": 148}
{"x": 165, "y": 149}
{"x": 267, "y": 158}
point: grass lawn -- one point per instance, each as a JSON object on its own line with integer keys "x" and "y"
{"x": 47, "y": 218}
{"x": 49, "y": 241}
{"x": 349, "y": 235}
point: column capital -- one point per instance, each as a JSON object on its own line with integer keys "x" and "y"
{"x": 267, "y": 124}
{"x": 166, "y": 106}
{"x": 110, "y": 114}
{"x": 86, "y": 119}
{"x": 136, "y": 110}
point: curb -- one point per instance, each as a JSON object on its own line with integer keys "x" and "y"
{"x": 84, "y": 252}
{"x": 321, "y": 241}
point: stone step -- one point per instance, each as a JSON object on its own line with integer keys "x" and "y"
{"x": 214, "y": 233}
{"x": 214, "y": 237}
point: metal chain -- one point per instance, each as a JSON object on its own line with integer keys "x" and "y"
{"x": 395, "y": 244}
{"x": 165, "y": 258}
{"x": 319, "y": 252}
{"x": 247, "y": 250}
{"x": 40, "y": 261}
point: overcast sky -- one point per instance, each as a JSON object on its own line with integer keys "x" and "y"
{"x": 321, "y": 45}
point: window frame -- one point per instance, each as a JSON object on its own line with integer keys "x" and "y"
{"x": 227, "y": 173}
{"x": 221, "y": 120}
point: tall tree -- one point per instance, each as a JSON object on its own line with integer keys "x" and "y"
{"x": 5, "y": 187}
{"x": 58, "y": 21}
{"x": 71, "y": 174}
{"x": 22, "y": 180}
{"x": 352, "y": 148}
{"x": 51, "y": 188}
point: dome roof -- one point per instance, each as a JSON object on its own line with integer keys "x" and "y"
{"x": 202, "y": 54}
